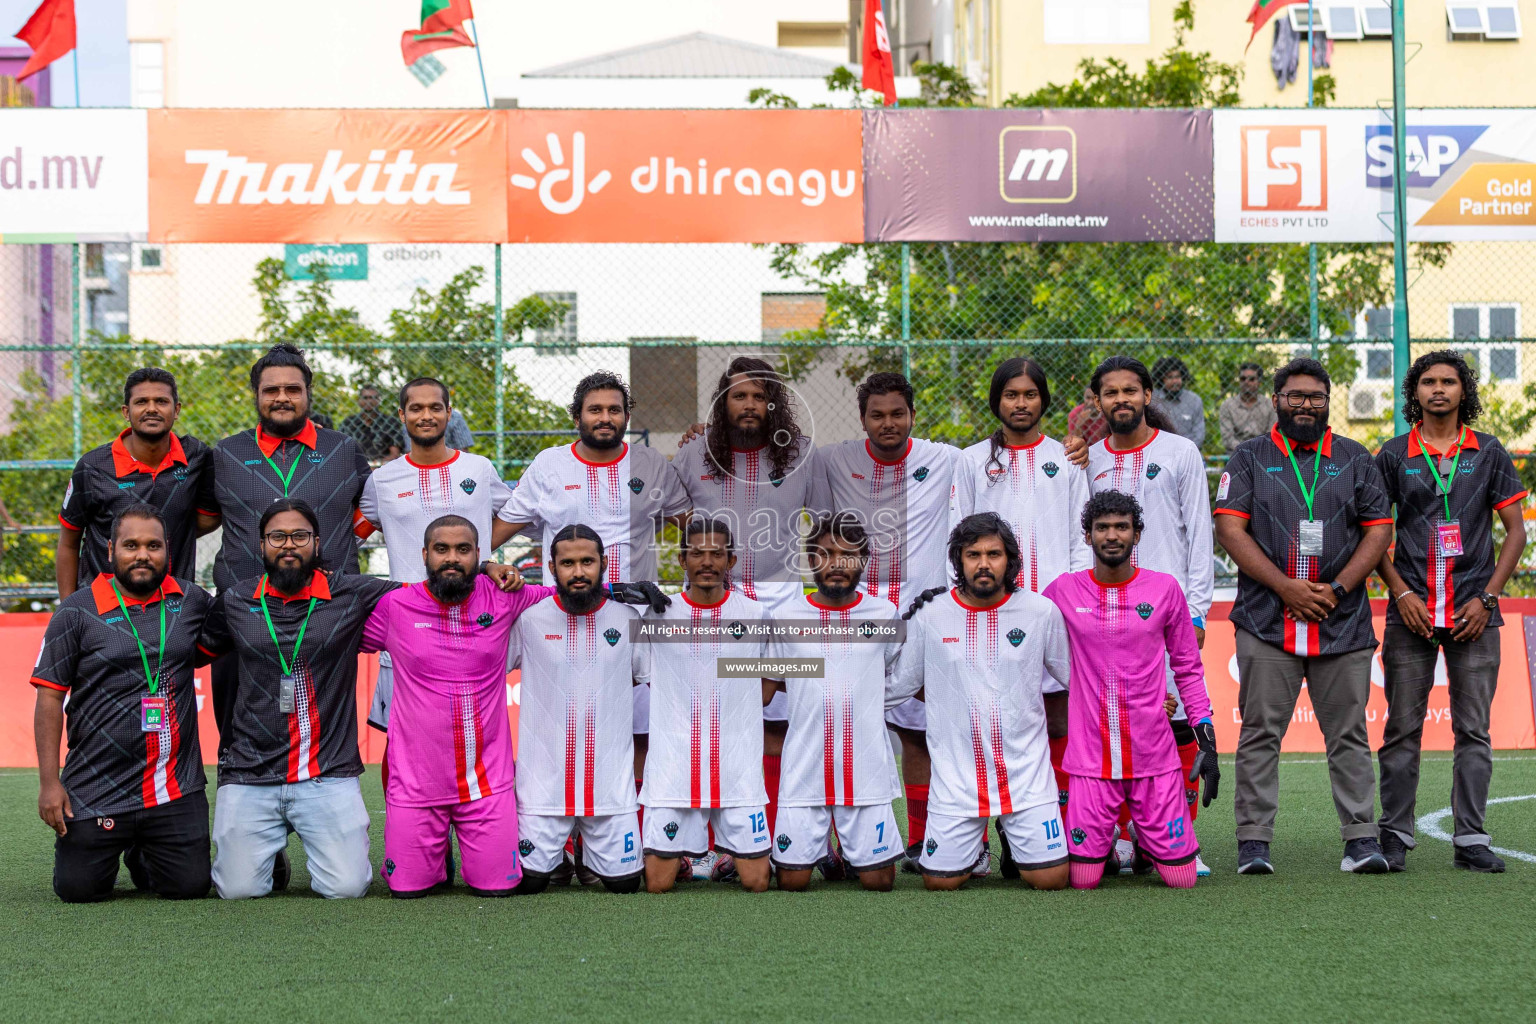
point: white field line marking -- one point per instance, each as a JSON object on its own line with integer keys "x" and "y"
{"x": 1422, "y": 760}
{"x": 1429, "y": 824}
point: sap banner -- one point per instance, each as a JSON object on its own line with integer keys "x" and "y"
{"x": 1326, "y": 175}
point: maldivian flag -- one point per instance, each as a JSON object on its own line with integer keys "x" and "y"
{"x": 1263, "y": 10}
{"x": 442, "y": 26}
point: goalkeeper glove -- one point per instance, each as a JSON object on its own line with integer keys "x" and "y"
{"x": 644, "y": 592}
{"x": 1206, "y": 766}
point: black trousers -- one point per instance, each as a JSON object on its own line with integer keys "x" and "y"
{"x": 171, "y": 842}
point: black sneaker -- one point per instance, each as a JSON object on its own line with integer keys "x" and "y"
{"x": 1253, "y": 858}
{"x": 1006, "y": 867}
{"x": 1394, "y": 849}
{"x": 909, "y": 863}
{"x": 1478, "y": 858}
{"x": 1141, "y": 864}
{"x": 282, "y": 871}
{"x": 1364, "y": 857}
{"x": 833, "y": 868}
{"x": 133, "y": 860}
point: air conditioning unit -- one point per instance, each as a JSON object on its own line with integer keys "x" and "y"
{"x": 1369, "y": 402}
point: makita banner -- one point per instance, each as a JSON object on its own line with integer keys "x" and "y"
{"x": 327, "y": 176}
{"x": 76, "y": 178}
{"x": 1037, "y": 175}
{"x": 1326, "y": 175}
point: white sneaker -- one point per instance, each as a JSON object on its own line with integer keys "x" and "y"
{"x": 983, "y": 866}
{"x": 1125, "y": 856}
{"x": 1202, "y": 869}
{"x": 704, "y": 867}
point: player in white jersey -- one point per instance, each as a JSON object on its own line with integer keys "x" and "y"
{"x": 705, "y": 768}
{"x": 575, "y": 755}
{"x": 837, "y": 760}
{"x": 1165, "y": 473}
{"x": 404, "y": 495}
{"x": 984, "y": 655}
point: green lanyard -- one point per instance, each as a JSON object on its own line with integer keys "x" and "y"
{"x": 1306, "y": 494}
{"x": 295, "y": 465}
{"x": 152, "y": 679}
{"x": 261, "y": 596}
{"x": 1443, "y": 485}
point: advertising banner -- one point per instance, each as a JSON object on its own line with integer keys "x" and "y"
{"x": 73, "y": 175}
{"x": 1326, "y": 175}
{"x": 684, "y": 176}
{"x": 1037, "y": 175}
{"x": 327, "y": 176}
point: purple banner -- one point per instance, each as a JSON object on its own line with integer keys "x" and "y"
{"x": 1037, "y": 176}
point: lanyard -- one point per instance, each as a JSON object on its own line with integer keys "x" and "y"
{"x": 152, "y": 680}
{"x": 1444, "y": 485}
{"x": 293, "y": 466}
{"x": 262, "y": 596}
{"x": 1306, "y": 494}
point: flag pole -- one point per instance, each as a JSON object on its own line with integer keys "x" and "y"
{"x": 474, "y": 30}
{"x": 75, "y": 57}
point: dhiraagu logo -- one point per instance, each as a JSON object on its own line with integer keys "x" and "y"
{"x": 553, "y": 172}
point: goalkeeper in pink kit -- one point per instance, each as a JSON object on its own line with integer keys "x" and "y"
{"x": 1121, "y": 621}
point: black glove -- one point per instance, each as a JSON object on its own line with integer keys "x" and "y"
{"x": 644, "y": 592}
{"x": 1206, "y": 766}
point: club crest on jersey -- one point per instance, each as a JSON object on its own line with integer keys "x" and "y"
{"x": 933, "y": 844}
{"x": 1079, "y": 836}
{"x": 736, "y": 630}
{"x": 636, "y": 485}
{"x": 783, "y": 842}
{"x": 485, "y": 619}
{"x": 467, "y": 486}
{"x": 1191, "y": 795}
{"x": 1061, "y": 797}
{"x": 866, "y": 629}
{"x": 1015, "y": 636}
{"x": 1051, "y": 469}
{"x": 920, "y": 474}
{"x": 1152, "y": 470}
{"x": 775, "y": 480}
{"x": 612, "y": 636}
{"x": 1144, "y": 610}
{"x": 670, "y": 829}
{"x": 389, "y": 866}
{"x": 525, "y": 847}
{"x": 1330, "y": 469}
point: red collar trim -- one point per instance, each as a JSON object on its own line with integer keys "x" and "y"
{"x": 749, "y": 451}
{"x": 1114, "y": 586}
{"x": 1418, "y": 446}
{"x": 306, "y": 437}
{"x": 857, "y": 597}
{"x": 690, "y": 602}
{"x": 1127, "y": 451}
{"x": 124, "y": 462}
{"x": 1280, "y": 440}
{"x": 1021, "y": 447}
{"x": 106, "y": 600}
{"x": 562, "y": 607}
{"x": 588, "y": 462}
{"x": 319, "y": 586}
{"x": 869, "y": 449}
{"x": 433, "y": 465}
{"x": 955, "y": 593}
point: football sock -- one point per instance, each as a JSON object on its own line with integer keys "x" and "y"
{"x": 1187, "y": 754}
{"x": 771, "y": 783}
{"x": 1178, "y": 876}
{"x": 1058, "y": 752}
{"x": 917, "y": 813}
{"x": 1086, "y": 874}
{"x": 1125, "y": 821}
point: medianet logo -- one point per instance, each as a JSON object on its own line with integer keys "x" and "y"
{"x": 230, "y": 179}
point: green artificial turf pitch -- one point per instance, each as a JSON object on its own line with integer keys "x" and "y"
{"x": 1309, "y": 943}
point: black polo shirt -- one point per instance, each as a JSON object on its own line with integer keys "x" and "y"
{"x": 113, "y": 765}
{"x": 1260, "y": 485}
{"x": 319, "y": 738}
{"x": 108, "y": 479}
{"x": 330, "y": 475}
{"x": 375, "y": 433}
{"x": 1485, "y": 482}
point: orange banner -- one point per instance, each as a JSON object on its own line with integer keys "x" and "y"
{"x": 685, "y": 176}
{"x": 327, "y": 176}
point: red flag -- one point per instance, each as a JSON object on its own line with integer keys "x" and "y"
{"x": 1263, "y": 10}
{"x": 442, "y": 26}
{"x": 879, "y": 68}
{"x": 50, "y": 32}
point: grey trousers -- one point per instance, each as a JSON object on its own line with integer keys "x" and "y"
{"x": 1339, "y": 685}
{"x": 1473, "y": 670}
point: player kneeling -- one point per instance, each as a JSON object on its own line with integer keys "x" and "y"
{"x": 705, "y": 766}
{"x": 1123, "y": 622}
{"x": 983, "y": 656}
{"x": 838, "y": 770}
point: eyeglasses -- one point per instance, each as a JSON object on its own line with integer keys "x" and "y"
{"x": 1301, "y": 399}
{"x": 283, "y": 538}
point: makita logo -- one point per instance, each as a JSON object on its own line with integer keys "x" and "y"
{"x": 1285, "y": 167}
{"x": 1037, "y": 164}
{"x": 231, "y": 178}
{"x": 1428, "y": 152}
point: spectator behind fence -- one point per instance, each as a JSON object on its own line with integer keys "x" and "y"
{"x": 1183, "y": 408}
{"x": 1086, "y": 421}
{"x": 1245, "y": 415}
{"x": 376, "y": 434}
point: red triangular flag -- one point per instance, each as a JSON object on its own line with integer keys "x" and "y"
{"x": 879, "y": 69}
{"x": 1263, "y": 10}
{"x": 50, "y": 32}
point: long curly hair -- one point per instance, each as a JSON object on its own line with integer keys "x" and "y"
{"x": 779, "y": 424}
{"x": 1471, "y": 406}
{"x": 1154, "y": 417}
{"x": 1018, "y": 366}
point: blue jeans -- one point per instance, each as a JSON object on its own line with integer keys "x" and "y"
{"x": 251, "y": 826}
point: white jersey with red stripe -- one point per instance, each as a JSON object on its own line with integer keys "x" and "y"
{"x": 1166, "y": 475}
{"x": 402, "y": 498}
{"x": 984, "y": 674}
{"x": 904, "y": 505}
{"x": 706, "y": 746}
{"x": 837, "y": 751}
{"x": 575, "y": 750}
{"x": 1037, "y": 491}
{"x": 764, "y": 511}
{"x": 624, "y": 501}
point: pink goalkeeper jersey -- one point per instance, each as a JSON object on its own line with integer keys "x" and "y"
{"x": 450, "y": 741}
{"x": 1116, "y": 725}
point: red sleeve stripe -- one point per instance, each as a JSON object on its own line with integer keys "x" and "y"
{"x": 68, "y": 525}
{"x": 1510, "y": 501}
{"x": 39, "y": 681}
{"x": 1233, "y": 512}
{"x": 209, "y": 512}
{"x": 206, "y": 651}
{"x": 364, "y": 529}
{"x": 1376, "y": 522}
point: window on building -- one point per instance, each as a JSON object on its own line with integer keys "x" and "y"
{"x": 1473, "y": 20}
{"x": 1098, "y": 22}
{"x": 1376, "y": 18}
{"x": 146, "y": 64}
{"x": 1493, "y": 327}
{"x": 148, "y": 257}
{"x": 561, "y": 338}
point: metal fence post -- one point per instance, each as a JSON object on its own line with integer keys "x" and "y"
{"x": 1311, "y": 246}
{"x": 500, "y": 381}
{"x": 906, "y": 310}
{"x": 76, "y": 355}
{"x": 1399, "y": 219}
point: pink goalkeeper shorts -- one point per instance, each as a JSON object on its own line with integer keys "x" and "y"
{"x": 1164, "y": 830}
{"x": 416, "y": 844}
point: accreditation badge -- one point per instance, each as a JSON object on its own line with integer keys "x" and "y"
{"x": 1309, "y": 538}
{"x": 1448, "y": 539}
{"x": 152, "y": 714}
{"x": 287, "y": 686}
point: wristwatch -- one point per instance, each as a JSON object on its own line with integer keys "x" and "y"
{"x": 1490, "y": 601}
{"x": 1338, "y": 589}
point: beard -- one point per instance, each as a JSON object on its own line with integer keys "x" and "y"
{"x": 284, "y": 429}
{"x": 1113, "y": 561}
{"x": 289, "y": 579}
{"x": 1119, "y": 426}
{"x": 128, "y": 586}
{"x": 427, "y": 442}
{"x": 599, "y": 443}
{"x": 579, "y": 602}
{"x": 984, "y": 587}
{"x": 1302, "y": 433}
{"x": 837, "y": 591}
{"x": 452, "y": 587}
